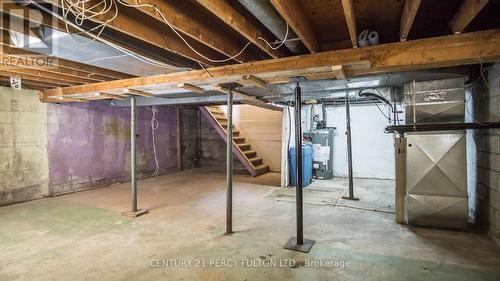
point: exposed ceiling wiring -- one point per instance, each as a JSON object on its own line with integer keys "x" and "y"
{"x": 109, "y": 43}
{"x": 79, "y": 10}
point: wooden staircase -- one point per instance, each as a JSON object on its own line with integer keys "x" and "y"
{"x": 242, "y": 150}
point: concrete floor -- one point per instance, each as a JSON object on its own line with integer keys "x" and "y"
{"x": 81, "y": 236}
{"x": 373, "y": 194}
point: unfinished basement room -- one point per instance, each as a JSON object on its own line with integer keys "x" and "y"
{"x": 250, "y": 140}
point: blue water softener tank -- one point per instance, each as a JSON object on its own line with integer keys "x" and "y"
{"x": 306, "y": 165}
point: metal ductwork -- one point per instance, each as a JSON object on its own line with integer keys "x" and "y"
{"x": 264, "y": 11}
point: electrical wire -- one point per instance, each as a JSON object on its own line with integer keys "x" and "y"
{"x": 180, "y": 36}
{"x": 154, "y": 126}
{"x": 111, "y": 44}
{"x": 280, "y": 44}
{"x": 81, "y": 13}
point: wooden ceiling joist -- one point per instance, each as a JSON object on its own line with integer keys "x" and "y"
{"x": 466, "y": 13}
{"x": 66, "y": 66}
{"x": 445, "y": 51}
{"x": 144, "y": 28}
{"x": 51, "y": 75}
{"x": 234, "y": 18}
{"x": 295, "y": 18}
{"x": 29, "y": 84}
{"x": 410, "y": 9}
{"x": 351, "y": 21}
{"x": 12, "y": 73}
{"x": 186, "y": 18}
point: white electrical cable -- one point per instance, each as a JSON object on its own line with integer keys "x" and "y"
{"x": 136, "y": 56}
{"x": 180, "y": 36}
{"x": 81, "y": 13}
{"x": 280, "y": 44}
{"x": 154, "y": 125}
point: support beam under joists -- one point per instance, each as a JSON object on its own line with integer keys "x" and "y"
{"x": 66, "y": 99}
{"x": 190, "y": 19}
{"x": 351, "y": 21}
{"x": 238, "y": 21}
{"x": 410, "y": 9}
{"x": 466, "y": 13}
{"x": 191, "y": 88}
{"x": 256, "y": 81}
{"x": 339, "y": 72}
{"x": 437, "y": 52}
{"x": 293, "y": 15}
{"x": 251, "y": 100}
{"x": 134, "y": 92}
{"x": 110, "y": 96}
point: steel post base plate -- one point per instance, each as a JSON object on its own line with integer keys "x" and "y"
{"x": 346, "y": 197}
{"x": 305, "y": 247}
{"x": 132, "y": 214}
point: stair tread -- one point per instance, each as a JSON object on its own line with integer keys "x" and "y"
{"x": 255, "y": 158}
{"x": 250, "y": 151}
{"x": 261, "y": 169}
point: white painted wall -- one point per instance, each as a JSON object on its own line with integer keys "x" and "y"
{"x": 372, "y": 149}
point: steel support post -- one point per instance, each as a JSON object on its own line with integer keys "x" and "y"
{"x": 229, "y": 164}
{"x": 134, "y": 212}
{"x": 349, "y": 148}
{"x": 298, "y": 243}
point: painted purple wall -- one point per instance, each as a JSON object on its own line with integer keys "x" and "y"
{"x": 89, "y": 144}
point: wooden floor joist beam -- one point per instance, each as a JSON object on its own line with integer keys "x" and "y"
{"x": 446, "y": 51}
{"x": 11, "y": 73}
{"x": 66, "y": 66}
{"x": 295, "y": 18}
{"x": 187, "y": 18}
{"x": 348, "y": 7}
{"x": 466, "y": 13}
{"x": 410, "y": 9}
{"x": 144, "y": 28}
{"x": 234, "y": 18}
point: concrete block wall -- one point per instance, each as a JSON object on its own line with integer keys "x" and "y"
{"x": 49, "y": 149}
{"x": 190, "y": 140}
{"x": 485, "y": 94}
{"x": 89, "y": 144}
{"x": 23, "y": 146}
{"x": 213, "y": 150}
